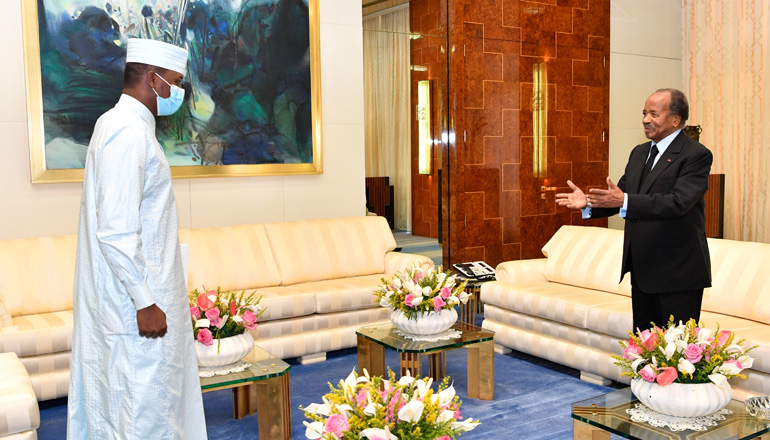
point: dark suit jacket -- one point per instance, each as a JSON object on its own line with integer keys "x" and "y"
{"x": 665, "y": 232}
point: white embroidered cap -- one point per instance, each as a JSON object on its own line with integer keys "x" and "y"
{"x": 157, "y": 53}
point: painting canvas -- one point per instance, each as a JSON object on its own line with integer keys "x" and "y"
{"x": 252, "y": 84}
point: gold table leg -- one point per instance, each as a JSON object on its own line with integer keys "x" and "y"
{"x": 437, "y": 365}
{"x": 370, "y": 356}
{"x": 244, "y": 401}
{"x": 274, "y": 400}
{"x": 481, "y": 370}
{"x": 584, "y": 431}
{"x": 412, "y": 363}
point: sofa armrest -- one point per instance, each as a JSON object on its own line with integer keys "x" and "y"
{"x": 398, "y": 261}
{"x": 521, "y": 271}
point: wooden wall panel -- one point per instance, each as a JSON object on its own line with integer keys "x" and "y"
{"x": 521, "y": 136}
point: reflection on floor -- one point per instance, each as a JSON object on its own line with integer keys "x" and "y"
{"x": 414, "y": 244}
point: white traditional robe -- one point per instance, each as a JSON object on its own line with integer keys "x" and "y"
{"x": 122, "y": 385}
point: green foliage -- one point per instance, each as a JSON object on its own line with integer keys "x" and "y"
{"x": 698, "y": 354}
{"x": 225, "y": 302}
{"x": 421, "y": 283}
{"x": 374, "y": 402}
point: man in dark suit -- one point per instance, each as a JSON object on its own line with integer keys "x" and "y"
{"x": 661, "y": 197}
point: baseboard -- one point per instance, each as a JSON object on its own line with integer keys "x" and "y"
{"x": 594, "y": 379}
{"x": 312, "y": 358}
{"x": 499, "y": 349}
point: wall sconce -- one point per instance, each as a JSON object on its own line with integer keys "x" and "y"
{"x": 424, "y": 137}
{"x": 418, "y": 68}
{"x": 540, "y": 119}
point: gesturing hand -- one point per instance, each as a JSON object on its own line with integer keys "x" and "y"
{"x": 151, "y": 322}
{"x": 574, "y": 200}
{"x": 606, "y": 198}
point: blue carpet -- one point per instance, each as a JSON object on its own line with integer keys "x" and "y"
{"x": 532, "y": 399}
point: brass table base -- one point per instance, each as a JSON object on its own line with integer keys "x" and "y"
{"x": 481, "y": 365}
{"x": 272, "y": 397}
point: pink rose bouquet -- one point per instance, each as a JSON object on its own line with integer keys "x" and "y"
{"x": 683, "y": 353}
{"x": 218, "y": 314}
{"x": 421, "y": 289}
{"x": 375, "y": 408}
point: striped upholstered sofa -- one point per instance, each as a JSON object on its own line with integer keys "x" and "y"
{"x": 569, "y": 307}
{"x": 316, "y": 278}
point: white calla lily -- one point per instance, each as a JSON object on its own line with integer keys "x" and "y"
{"x": 704, "y": 334}
{"x": 719, "y": 379}
{"x": 371, "y": 409}
{"x": 423, "y": 386}
{"x": 445, "y": 416}
{"x": 670, "y": 350}
{"x": 635, "y": 364}
{"x": 446, "y": 396}
{"x": 377, "y": 433}
{"x": 237, "y": 318}
{"x": 412, "y": 411}
{"x": 453, "y": 300}
{"x": 466, "y": 425}
{"x": 685, "y": 366}
{"x": 406, "y": 380}
{"x": 345, "y": 409}
{"x": 746, "y": 361}
{"x": 314, "y": 430}
{"x": 318, "y": 409}
{"x": 463, "y": 297}
{"x": 202, "y": 323}
{"x": 417, "y": 300}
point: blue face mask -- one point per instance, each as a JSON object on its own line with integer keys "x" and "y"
{"x": 169, "y": 106}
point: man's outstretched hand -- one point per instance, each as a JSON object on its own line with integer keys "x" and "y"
{"x": 574, "y": 200}
{"x": 606, "y": 198}
{"x": 151, "y": 322}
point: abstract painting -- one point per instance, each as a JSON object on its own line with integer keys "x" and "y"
{"x": 252, "y": 84}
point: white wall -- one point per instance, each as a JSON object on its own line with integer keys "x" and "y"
{"x": 28, "y": 210}
{"x": 645, "y": 55}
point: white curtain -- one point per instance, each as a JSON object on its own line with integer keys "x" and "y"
{"x": 725, "y": 77}
{"x": 386, "y": 107}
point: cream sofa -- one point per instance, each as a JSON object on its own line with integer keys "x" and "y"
{"x": 316, "y": 278}
{"x": 569, "y": 307}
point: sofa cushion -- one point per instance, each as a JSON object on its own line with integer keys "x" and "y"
{"x": 38, "y": 334}
{"x": 18, "y": 405}
{"x": 552, "y": 329}
{"x": 587, "y": 257}
{"x": 283, "y": 302}
{"x": 47, "y": 363}
{"x": 305, "y": 324}
{"x": 37, "y": 274}
{"x": 233, "y": 258}
{"x": 345, "y": 293}
{"x": 316, "y": 250}
{"x": 740, "y": 280}
{"x": 554, "y": 301}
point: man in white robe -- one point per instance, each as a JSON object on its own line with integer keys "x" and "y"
{"x": 133, "y": 373}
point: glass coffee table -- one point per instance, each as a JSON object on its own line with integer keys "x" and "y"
{"x": 264, "y": 384}
{"x": 597, "y": 417}
{"x": 374, "y": 339}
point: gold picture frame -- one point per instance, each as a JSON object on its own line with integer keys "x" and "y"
{"x": 41, "y": 173}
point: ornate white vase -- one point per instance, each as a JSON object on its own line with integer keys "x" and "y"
{"x": 682, "y": 399}
{"x": 231, "y": 350}
{"x": 429, "y": 323}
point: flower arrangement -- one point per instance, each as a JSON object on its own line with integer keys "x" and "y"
{"x": 378, "y": 409}
{"x": 218, "y": 314}
{"x": 421, "y": 289}
{"x": 683, "y": 353}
